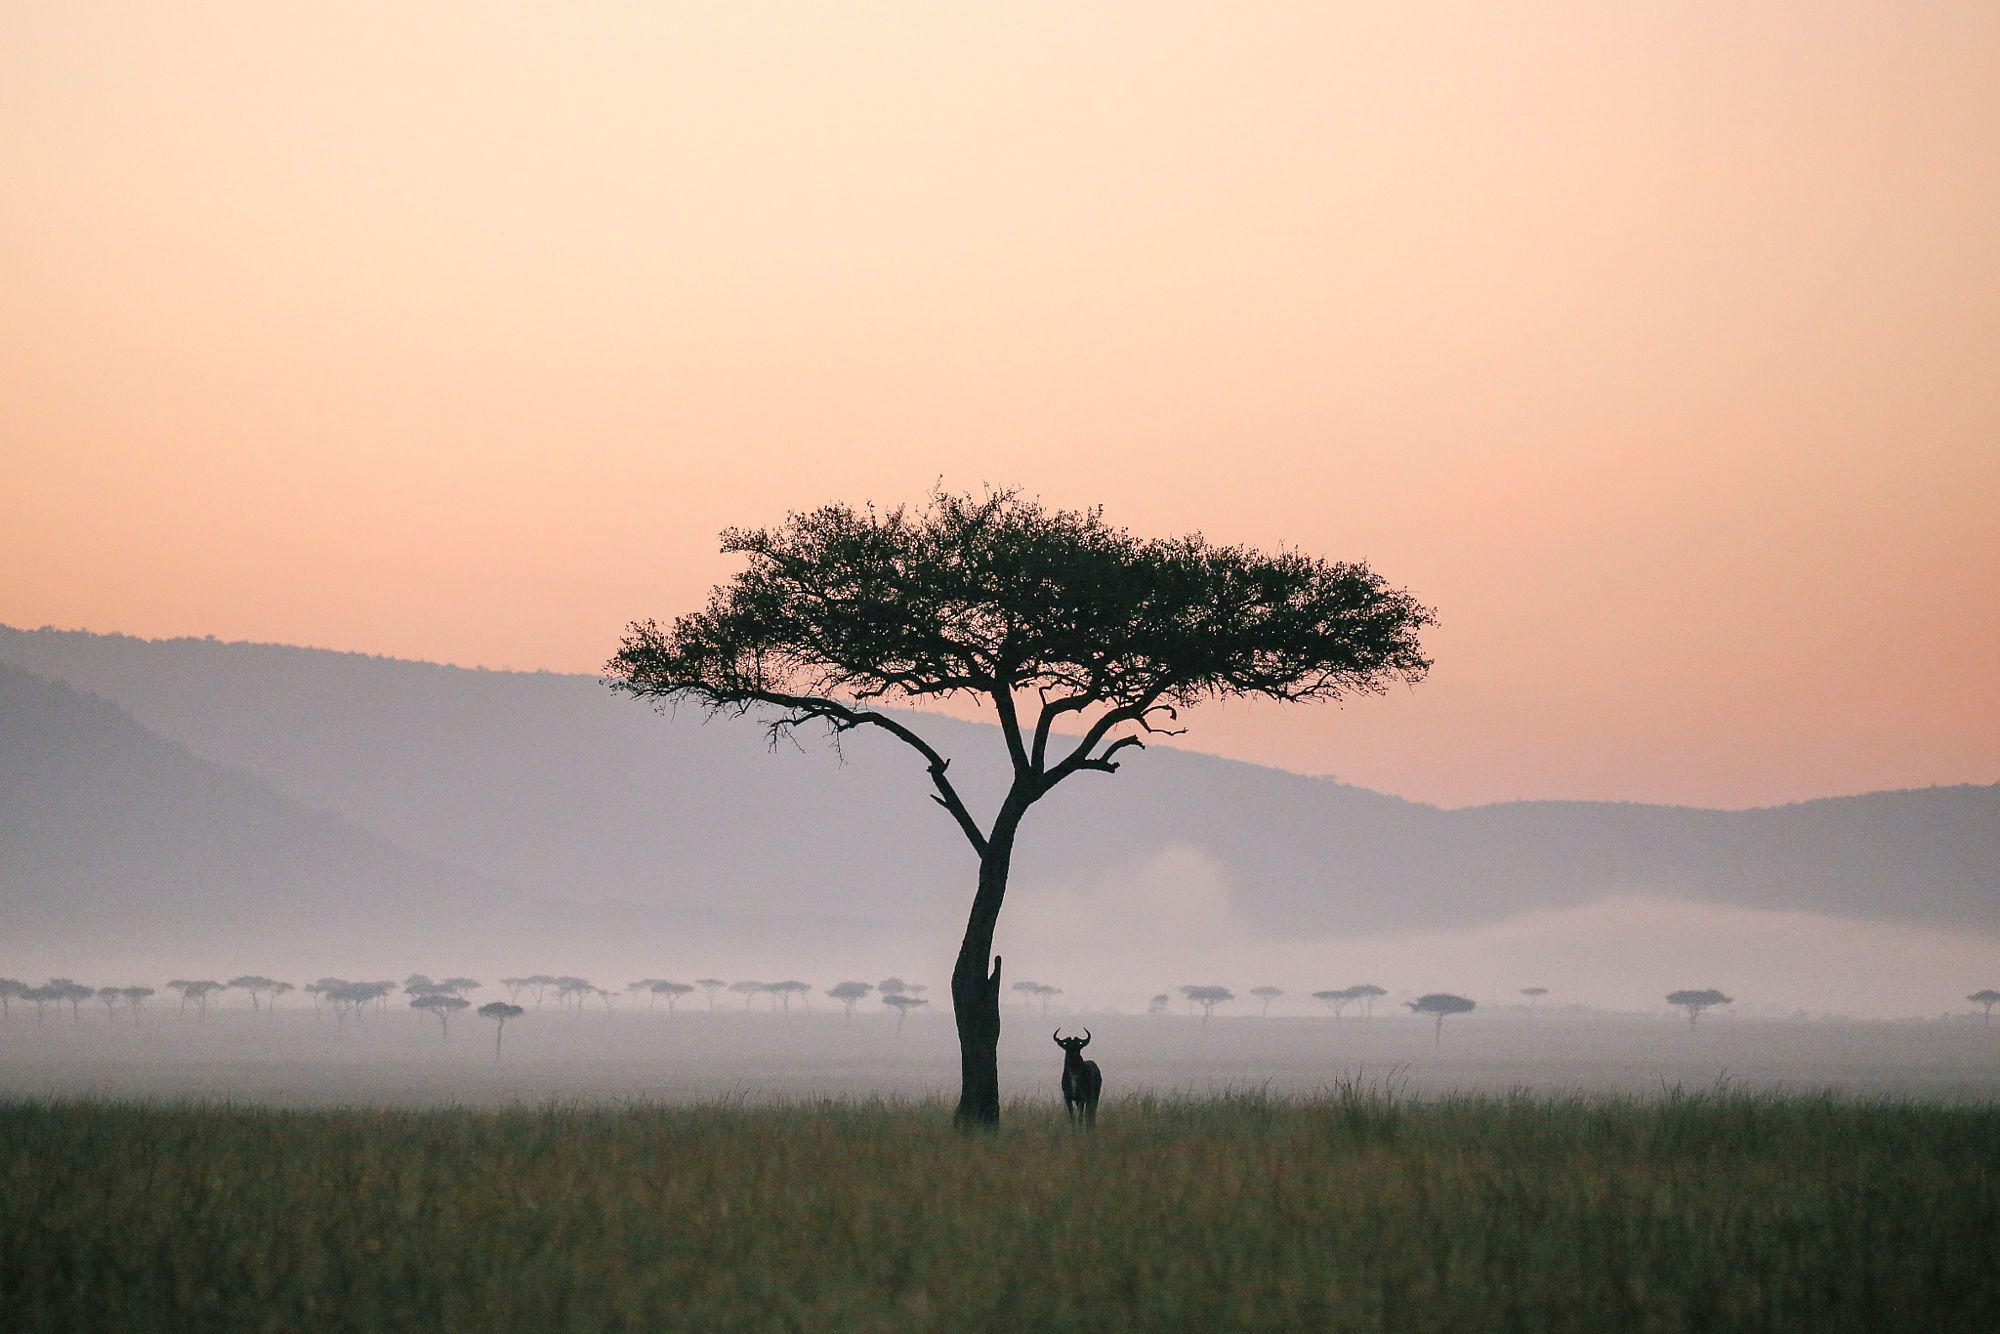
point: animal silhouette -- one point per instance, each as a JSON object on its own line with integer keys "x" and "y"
{"x": 1082, "y": 1082}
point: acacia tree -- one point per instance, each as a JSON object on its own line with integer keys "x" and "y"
{"x": 134, "y": 996}
{"x": 11, "y": 989}
{"x": 847, "y": 993}
{"x": 746, "y": 989}
{"x": 499, "y": 1012}
{"x": 1694, "y": 1002}
{"x": 673, "y": 991}
{"x": 1267, "y": 995}
{"x": 711, "y": 985}
{"x": 1053, "y": 619}
{"x": 1366, "y": 993}
{"x": 1158, "y": 1005}
{"x": 782, "y": 992}
{"x": 1441, "y": 1004}
{"x": 1534, "y": 994}
{"x": 1207, "y": 998}
{"x": 442, "y": 1004}
{"x": 1986, "y": 1000}
{"x": 902, "y": 1003}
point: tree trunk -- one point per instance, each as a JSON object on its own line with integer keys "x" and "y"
{"x": 975, "y": 989}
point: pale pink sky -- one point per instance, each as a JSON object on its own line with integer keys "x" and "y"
{"x": 1658, "y": 346}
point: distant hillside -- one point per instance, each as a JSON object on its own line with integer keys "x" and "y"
{"x": 553, "y": 784}
{"x": 108, "y": 827}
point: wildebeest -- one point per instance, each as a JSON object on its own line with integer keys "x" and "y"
{"x": 1082, "y": 1082}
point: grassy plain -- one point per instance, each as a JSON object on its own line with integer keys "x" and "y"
{"x": 1355, "y": 1209}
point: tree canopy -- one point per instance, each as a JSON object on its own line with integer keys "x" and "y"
{"x": 997, "y": 597}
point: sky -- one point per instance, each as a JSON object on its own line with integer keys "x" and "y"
{"x": 1656, "y": 346}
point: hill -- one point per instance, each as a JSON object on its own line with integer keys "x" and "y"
{"x": 565, "y": 792}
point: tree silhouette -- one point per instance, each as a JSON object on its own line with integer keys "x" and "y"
{"x": 1366, "y": 994}
{"x": 784, "y": 991}
{"x": 902, "y": 1004}
{"x": 1037, "y": 991}
{"x": 443, "y": 1004}
{"x": 515, "y": 986}
{"x": 1987, "y": 999}
{"x": 499, "y": 1012}
{"x": 1534, "y": 994}
{"x": 278, "y": 989}
{"x": 572, "y": 988}
{"x": 11, "y": 990}
{"x": 673, "y": 991}
{"x": 111, "y": 996}
{"x": 134, "y": 996}
{"x": 39, "y": 997}
{"x": 649, "y": 985}
{"x": 255, "y": 985}
{"x": 1335, "y": 1000}
{"x": 1694, "y": 1002}
{"x": 711, "y": 985}
{"x": 746, "y": 990}
{"x": 847, "y": 993}
{"x": 1207, "y": 998}
{"x": 196, "y": 992}
{"x": 1440, "y": 1004}
{"x": 74, "y": 994}
{"x": 1267, "y": 995}
{"x": 1158, "y": 1005}
{"x": 1050, "y": 618}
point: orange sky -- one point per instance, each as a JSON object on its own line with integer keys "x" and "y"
{"x": 1658, "y": 346}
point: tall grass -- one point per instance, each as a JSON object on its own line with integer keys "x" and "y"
{"x": 1356, "y": 1210}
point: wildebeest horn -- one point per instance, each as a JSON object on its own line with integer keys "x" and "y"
{"x": 1057, "y": 1035}
{"x": 1086, "y": 1037}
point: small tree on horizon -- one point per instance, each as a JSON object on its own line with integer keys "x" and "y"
{"x": 784, "y": 991}
{"x": 196, "y": 992}
{"x": 72, "y": 993}
{"x": 1053, "y": 619}
{"x": 1158, "y": 1005}
{"x": 11, "y": 989}
{"x": 134, "y": 996}
{"x": 1207, "y": 998}
{"x": 255, "y": 985}
{"x": 1534, "y": 994}
{"x": 499, "y": 1012}
{"x": 1366, "y": 994}
{"x": 902, "y": 1003}
{"x": 1267, "y": 995}
{"x": 442, "y": 1004}
{"x": 111, "y": 996}
{"x": 746, "y": 989}
{"x": 848, "y": 993}
{"x": 673, "y": 991}
{"x": 1986, "y": 999}
{"x": 711, "y": 985}
{"x": 1440, "y": 1004}
{"x": 1694, "y": 1002}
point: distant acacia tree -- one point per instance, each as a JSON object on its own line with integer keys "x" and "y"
{"x": 847, "y": 993}
{"x": 1267, "y": 995}
{"x": 1009, "y": 603}
{"x": 1158, "y": 1005}
{"x": 135, "y": 996}
{"x": 74, "y": 994}
{"x": 111, "y": 996}
{"x": 11, "y": 990}
{"x": 255, "y": 985}
{"x": 1207, "y": 998}
{"x": 442, "y": 1004}
{"x": 1441, "y": 1004}
{"x": 604, "y": 994}
{"x": 746, "y": 990}
{"x": 647, "y": 985}
{"x": 711, "y": 985}
{"x": 540, "y": 982}
{"x": 39, "y": 997}
{"x": 573, "y": 990}
{"x": 1037, "y": 991}
{"x": 1694, "y": 1002}
{"x": 514, "y": 987}
{"x": 1986, "y": 999}
{"x": 1366, "y": 994}
{"x": 1534, "y": 994}
{"x": 784, "y": 991}
{"x": 278, "y": 989}
{"x": 1334, "y": 1000}
{"x": 195, "y": 992}
{"x": 902, "y": 1003}
{"x": 499, "y": 1012}
{"x": 673, "y": 991}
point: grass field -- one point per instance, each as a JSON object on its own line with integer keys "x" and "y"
{"x": 1354, "y": 1210}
